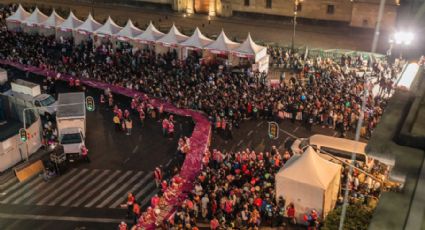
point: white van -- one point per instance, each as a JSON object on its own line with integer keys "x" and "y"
{"x": 338, "y": 147}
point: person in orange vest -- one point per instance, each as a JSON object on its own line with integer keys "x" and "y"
{"x": 130, "y": 203}
{"x": 122, "y": 226}
{"x": 158, "y": 176}
{"x": 84, "y": 154}
{"x": 136, "y": 212}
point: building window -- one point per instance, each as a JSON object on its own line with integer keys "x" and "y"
{"x": 247, "y": 2}
{"x": 269, "y": 4}
{"x": 331, "y": 9}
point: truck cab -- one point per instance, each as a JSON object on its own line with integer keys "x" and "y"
{"x": 72, "y": 139}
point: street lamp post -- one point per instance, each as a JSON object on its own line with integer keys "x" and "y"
{"x": 296, "y": 3}
{"x": 401, "y": 39}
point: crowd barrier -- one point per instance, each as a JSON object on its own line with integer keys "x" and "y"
{"x": 199, "y": 140}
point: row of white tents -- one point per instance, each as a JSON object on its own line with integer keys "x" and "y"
{"x": 37, "y": 22}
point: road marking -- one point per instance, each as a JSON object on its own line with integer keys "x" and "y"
{"x": 148, "y": 197}
{"x": 125, "y": 161}
{"x": 58, "y": 218}
{"x": 51, "y": 185}
{"x": 135, "y": 149}
{"x": 296, "y": 128}
{"x": 7, "y": 184}
{"x": 13, "y": 187}
{"x": 168, "y": 163}
{"x": 286, "y": 139}
{"x": 120, "y": 189}
{"x": 240, "y": 142}
{"x": 29, "y": 193}
{"x": 80, "y": 191}
{"x": 92, "y": 191}
{"x": 22, "y": 189}
{"x": 259, "y": 124}
{"x": 132, "y": 189}
{"x": 250, "y": 132}
{"x": 13, "y": 225}
{"x": 288, "y": 133}
{"x": 76, "y": 185}
{"x": 58, "y": 189}
{"x": 143, "y": 191}
{"x": 104, "y": 192}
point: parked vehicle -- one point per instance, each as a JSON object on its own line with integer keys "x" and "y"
{"x": 71, "y": 123}
{"x": 340, "y": 148}
{"x": 31, "y": 92}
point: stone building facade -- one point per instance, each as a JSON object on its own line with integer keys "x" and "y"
{"x": 356, "y": 13}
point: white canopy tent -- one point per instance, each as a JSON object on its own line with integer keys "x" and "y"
{"x": 34, "y": 21}
{"x": 170, "y": 42}
{"x": 68, "y": 26}
{"x": 149, "y": 36}
{"x": 129, "y": 32}
{"x": 251, "y": 53}
{"x": 48, "y": 27}
{"x": 248, "y": 49}
{"x": 15, "y": 20}
{"x": 85, "y": 30}
{"x": 196, "y": 42}
{"x": 309, "y": 182}
{"x": 222, "y": 46}
{"x": 105, "y": 32}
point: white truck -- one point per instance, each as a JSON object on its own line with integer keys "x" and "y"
{"x": 71, "y": 123}
{"x": 31, "y": 92}
{"x": 4, "y": 85}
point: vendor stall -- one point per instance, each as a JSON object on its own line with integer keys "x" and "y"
{"x": 219, "y": 50}
{"x": 48, "y": 27}
{"x": 66, "y": 28}
{"x": 309, "y": 182}
{"x": 33, "y": 22}
{"x": 195, "y": 43}
{"x": 170, "y": 42}
{"x": 128, "y": 34}
{"x": 249, "y": 54}
{"x": 105, "y": 32}
{"x": 148, "y": 38}
{"x": 86, "y": 30}
{"x": 15, "y": 20}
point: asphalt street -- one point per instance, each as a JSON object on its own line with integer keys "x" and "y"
{"x": 89, "y": 196}
{"x": 277, "y": 31}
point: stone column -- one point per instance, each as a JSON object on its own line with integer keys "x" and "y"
{"x": 211, "y": 11}
{"x": 189, "y": 6}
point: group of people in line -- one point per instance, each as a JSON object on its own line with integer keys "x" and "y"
{"x": 321, "y": 92}
{"x": 234, "y": 189}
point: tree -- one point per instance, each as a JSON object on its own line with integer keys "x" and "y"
{"x": 358, "y": 217}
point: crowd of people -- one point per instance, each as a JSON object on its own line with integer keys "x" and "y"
{"x": 322, "y": 92}
{"x": 234, "y": 189}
